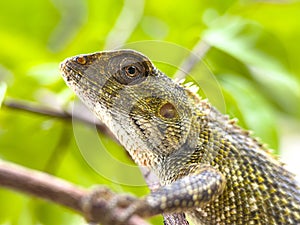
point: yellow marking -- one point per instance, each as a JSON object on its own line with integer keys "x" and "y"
{"x": 284, "y": 201}
{"x": 209, "y": 191}
{"x": 195, "y": 197}
{"x": 260, "y": 179}
{"x": 263, "y": 187}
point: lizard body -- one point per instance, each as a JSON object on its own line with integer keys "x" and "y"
{"x": 209, "y": 168}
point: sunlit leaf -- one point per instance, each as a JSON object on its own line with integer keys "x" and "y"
{"x": 239, "y": 37}
{"x": 2, "y": 91}
{"x": 46, "y": 73}
{"x": 256, "y": 112}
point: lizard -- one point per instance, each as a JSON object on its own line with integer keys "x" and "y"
{"x": 209, "y": 168}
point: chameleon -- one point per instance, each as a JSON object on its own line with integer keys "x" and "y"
{"x": 209, "y": 168}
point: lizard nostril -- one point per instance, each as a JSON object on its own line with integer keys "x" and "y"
{"x": 81, "y": 60}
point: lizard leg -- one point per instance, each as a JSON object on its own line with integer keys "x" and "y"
{"x": 197, "y": 190}
{"x": 192, "y": 191}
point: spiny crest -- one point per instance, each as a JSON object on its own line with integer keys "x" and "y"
{"x": 254, "y": 140}
{"x": 191, "y": 89}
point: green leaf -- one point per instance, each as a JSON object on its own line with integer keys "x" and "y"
{"x": 254, "y": 110}
{"x": 262, "y": 54}
{"x": 45, "y": 73}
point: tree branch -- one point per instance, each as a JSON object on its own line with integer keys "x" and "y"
{"x": 198, "y": 52}
{"x": 50, "y": 188}
{"x": 13, "y": 176}
{"x": 61, "y": 192}
{"x": 71, "y": 199}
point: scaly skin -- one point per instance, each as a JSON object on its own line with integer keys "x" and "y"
{"x": 209, "y": 168}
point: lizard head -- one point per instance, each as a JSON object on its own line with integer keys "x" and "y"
{"x": 148, "y": 112}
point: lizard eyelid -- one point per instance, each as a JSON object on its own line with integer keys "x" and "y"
{"x": 131, "y": 73}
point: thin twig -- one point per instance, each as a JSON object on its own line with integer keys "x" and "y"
{"x": 54, "y": 189}
{"x": 129, "y": 17}
{"x": 196, "y": 55}
{"x": 30, "y": 107}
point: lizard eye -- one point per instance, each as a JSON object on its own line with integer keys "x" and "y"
{"x": 128, "y": 68}
{"x": 131, "y": 71}
{"x": 168, "y": 111}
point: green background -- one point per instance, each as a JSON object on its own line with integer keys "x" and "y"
{"x": 254, "y": 56}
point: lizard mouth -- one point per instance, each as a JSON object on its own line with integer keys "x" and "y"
{"x": 68, "y": 72}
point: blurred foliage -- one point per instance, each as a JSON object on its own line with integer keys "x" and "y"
{"x": 254, "y": 56}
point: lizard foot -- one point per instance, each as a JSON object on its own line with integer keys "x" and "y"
{"x": 102, "y": 205}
